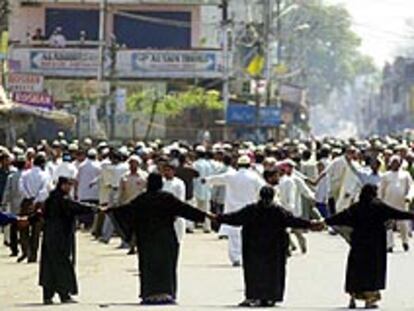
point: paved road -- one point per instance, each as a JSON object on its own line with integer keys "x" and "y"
{"x": 108, "y": 278}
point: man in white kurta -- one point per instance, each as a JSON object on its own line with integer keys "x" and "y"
{"x": 396, "y": 190}
{"x": 202, "y": 193}
{"x": 343, "y": 182}
{"x": 118, "y": 169}
{"x": 87, "y": 191}
{"x": 344, "y": 185}
{"x": 242, "y": 188}
{"x": 292, "y": 187}
{"x": 175, "y": 186}
{"x": 104, "y": 185}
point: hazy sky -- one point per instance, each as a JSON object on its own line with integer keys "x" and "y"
{"x": 381, "y": 25}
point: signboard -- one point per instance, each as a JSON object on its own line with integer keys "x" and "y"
{"x": 269, "y": 116}
{"x": 39, "y": 100}
{"x": 63, "y": 59}
{"x": 246, "y": 115}
{"x": 241, "y": 114}
{"x": 171, "y": 64}
{"x": 83, "y": 63}
{"x": 18, "y": 82}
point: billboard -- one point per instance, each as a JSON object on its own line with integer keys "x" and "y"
{"x": 83, "y": 63}
{"x": 38, "y": 100}
{"x": 172, "y": 64}
{"x": 248, "y": 115}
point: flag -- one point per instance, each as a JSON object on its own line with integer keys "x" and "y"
{"x": 256, "y": 65}
{"x": 4, "y": 43}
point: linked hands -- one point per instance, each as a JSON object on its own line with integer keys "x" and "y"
{"x": 317, "y": 225}
{"x": 211, "y": 216}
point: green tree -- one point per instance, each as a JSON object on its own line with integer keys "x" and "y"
{"x": 174, "y": 104}
{"x": 318, "y": 43}
{"x": 4, "y": 12}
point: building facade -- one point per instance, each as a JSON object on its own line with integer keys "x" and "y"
{"x": 151, "y": 45}
{"x": 395, "y": 103}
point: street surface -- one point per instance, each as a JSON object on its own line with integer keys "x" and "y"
{"x": 108, "y": 278}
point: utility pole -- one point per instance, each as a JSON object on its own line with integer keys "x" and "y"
{"x": 267, "y": 23}
{"x": 279, "y": 57}
{"x": 102, "y": 47}
{"x": 102, "y": 37}
{"x": 113, "y": 51}
{"x": 279, "y": 31}
{"x": 226, "y": 58}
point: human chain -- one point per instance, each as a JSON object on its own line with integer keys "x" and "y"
{"x": 260, "y": 197}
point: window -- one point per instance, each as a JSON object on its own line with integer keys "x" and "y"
{"x": 72, "y": 22}
{"x": 152, "y": 32}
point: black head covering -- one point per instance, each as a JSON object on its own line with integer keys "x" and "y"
{"x": 61, "y": 181}
{"x": 368, "y": 193}
{"x": 154, "y": 182}
{"x": 267, "y": 195}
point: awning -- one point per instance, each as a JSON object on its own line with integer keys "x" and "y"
{"x": 17, "y": 111}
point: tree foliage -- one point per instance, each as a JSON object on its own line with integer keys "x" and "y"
{"x": 325, "y": 51}
{"x": 4, "y": 12}
{"x": 173, "y": 104}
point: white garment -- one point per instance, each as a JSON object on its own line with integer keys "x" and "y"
{"x": 65, "y": 169}
{"x": 88, "y": 171}
{"x": 395, "y": 188}
{"x": 292, "y": 188}
{"x": 104, "y": 181}
{"x": 35, "y": 184}
{"x": 225, "y": 229}
{"x": 308, "y": 168}
{"x": 302, "y": 189}
{"x": 242, "y": 188}
{"x": 322, "y": 190}
{"x": 336, "y": 173}
{"x": 205, "y": 169}
{"x": 176, "y": 187}
{"x": 350, "y": 188}
{"x": 57, "y": 41}
{"x": 288, "y": 192}
{"x": 116, "y": 173}
{"x": 51, "y": 167}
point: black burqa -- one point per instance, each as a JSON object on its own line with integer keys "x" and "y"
{"x": 264, "y": 247}
{"x": 150, "y": 217}
{"x": 367, "y": 259}
{"x": 57, "y": 273}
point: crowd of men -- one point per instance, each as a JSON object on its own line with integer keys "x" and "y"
{"x": 312, "y": 178}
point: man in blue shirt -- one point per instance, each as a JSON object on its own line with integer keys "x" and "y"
{"x": 7, "y": 218}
